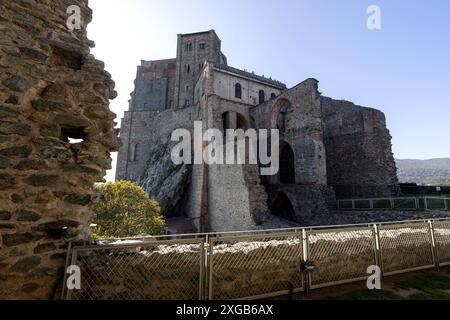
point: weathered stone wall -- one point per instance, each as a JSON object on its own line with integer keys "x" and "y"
{"x": 360, "y": 162}
{"x": 51, "y": 90}
{"x": 224, "y": 86}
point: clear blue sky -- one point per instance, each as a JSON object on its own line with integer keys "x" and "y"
{"x": 402, "y": 69}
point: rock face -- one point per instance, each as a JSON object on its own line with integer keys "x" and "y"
{"x": 165, "y": 181}
{"x": 52, "y": 90}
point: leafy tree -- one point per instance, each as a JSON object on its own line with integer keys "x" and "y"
{"x": 126, "y": 211}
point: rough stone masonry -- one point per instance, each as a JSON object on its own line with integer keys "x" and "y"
{"x": 56, "y": 136}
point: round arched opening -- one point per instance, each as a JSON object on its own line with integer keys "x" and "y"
{"x": 287, "y": 163}
{"x": 282, "y": 207}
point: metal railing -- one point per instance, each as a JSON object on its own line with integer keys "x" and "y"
{"x": 255, "y": 264}
{"x": 399, "y": 203}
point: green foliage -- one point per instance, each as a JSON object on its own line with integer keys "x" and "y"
{"x": 126, "y": 211}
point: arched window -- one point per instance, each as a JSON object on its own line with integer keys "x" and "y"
{"x": 238, "y": 90}
{"x": 136, "y": 152}
{"x": 188, "y": 46}
{"x": 262, "y": 96}
{"x": 273, "y": 96}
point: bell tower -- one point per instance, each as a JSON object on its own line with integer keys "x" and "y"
{"x": 192, "y": 51}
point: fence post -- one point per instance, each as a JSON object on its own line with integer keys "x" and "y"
{"x": 69, "y": 250}
{"x": 210, "y": 265}
{"x": 425, "y": 202}
{"x": 433, "y": 244}
{"x": 203, "y": 266}
{"x": 417, "y": 203}
{"x": 72, "y": 263}
{"x": 306, "y": 276}
{"x": 377, "y": 248}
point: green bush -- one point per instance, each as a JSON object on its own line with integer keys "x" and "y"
{"x": 126, "y": 211}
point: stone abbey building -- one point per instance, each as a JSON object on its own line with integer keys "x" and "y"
{"x": 329, "y": 148}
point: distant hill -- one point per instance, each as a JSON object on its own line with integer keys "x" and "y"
{"x": 433, "y": 171}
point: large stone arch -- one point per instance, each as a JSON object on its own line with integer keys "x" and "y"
{"x": 281, "y": 206}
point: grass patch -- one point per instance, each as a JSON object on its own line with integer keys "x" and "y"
{"x": 426, "y": 283}
{"x": 368, "y": 295}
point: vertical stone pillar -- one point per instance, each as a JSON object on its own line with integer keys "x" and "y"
{"x": 56, "y": 135}
{"x": 231, "y": 120}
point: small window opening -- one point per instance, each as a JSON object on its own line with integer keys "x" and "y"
{"x": 73, "y": 135}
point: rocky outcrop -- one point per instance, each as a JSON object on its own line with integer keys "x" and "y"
{"x": 56, "y": 135}
{"x": 165, "y": 181}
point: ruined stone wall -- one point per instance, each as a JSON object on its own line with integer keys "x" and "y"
{"x": 51, "y": 90}
{"x": 360, "y": 162}
{"x": 303, "y": 130}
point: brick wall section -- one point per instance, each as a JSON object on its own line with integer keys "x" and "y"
{"x": 51, "y": 89}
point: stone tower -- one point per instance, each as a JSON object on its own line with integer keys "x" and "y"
{"x": 192, "y": 51}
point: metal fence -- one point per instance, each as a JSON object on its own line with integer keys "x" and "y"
{"x": 399, "y": 203}
{"x": 157, "y": 270}
{"x": 255, "y": 264}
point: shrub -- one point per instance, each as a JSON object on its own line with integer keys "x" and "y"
{"x": 126, "y": 211}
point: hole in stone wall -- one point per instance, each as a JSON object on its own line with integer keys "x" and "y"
{"x": 65, "y": 58}
{"x": 73, "y": 134}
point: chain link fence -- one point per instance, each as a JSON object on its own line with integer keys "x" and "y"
{"x": 254, "y": 264}
{"x": 398, "y": 203}
{"x": 161, "y": 270}
{"x": 406, "y": 247}
{"x": 340, "y": 255}
{"x": 441, "y": 232}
